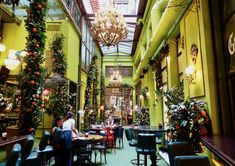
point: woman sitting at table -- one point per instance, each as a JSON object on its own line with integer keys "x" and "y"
{"x": 55, "y": 139}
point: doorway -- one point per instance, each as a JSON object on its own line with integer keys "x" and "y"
{"x": 119, "y": 102}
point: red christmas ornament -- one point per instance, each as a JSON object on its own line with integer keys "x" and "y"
{"x": 34, "y": 30}
{"x": 37, "y": 73}
{"x": 203, "y": 114}
{"x": 37, "y": 96}
{"x": 39, "y": 6}
{"x": 32, "y": 82}
{"x": 177, "y": 127}
{"x": 30, "y": 53}
{"x": 33, "y": 103}
{"x": 46, "y": 92}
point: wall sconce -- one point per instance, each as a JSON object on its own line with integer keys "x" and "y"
{"x": 147, "y": 94}
{"x": 190, "y": 74}
{"x": 12, "y": 61}
{"x": 190, "y": 70}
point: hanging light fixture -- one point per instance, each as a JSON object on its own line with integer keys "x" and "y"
{"x": 109, "y": 26}
{"x": 10, "y": 2}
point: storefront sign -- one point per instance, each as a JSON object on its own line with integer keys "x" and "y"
{"x": 231, "y": 44}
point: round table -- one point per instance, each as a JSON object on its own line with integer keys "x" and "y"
{"x": 92, "y": 137}
{"x": 148, "y": 129}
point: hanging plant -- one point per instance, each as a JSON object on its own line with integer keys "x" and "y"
{"x": 32, "y": 77}
{"x": 58, "y": 102}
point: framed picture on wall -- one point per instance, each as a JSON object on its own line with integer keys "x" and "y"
{"x": 194, "y": 55}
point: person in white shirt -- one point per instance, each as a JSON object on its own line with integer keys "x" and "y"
{"x": 69, "y": 132}
{"x": 69, "y": 124}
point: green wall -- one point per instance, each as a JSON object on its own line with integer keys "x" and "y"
{"x": 118, "y": 61}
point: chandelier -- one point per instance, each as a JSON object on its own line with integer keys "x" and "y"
{"x": 116, "y": 78}
{"x": 10, "y": 2}
{"x": 109, "y": 27}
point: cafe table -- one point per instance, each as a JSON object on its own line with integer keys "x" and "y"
{"x": 91, "y": 137}
{"x": 149, "y": 129}
{"x": 10, "y": 141}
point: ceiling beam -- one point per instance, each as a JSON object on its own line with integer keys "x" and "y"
{"x": 125, "y": 15}
{"x": 138, "y": 29}
{"x": 82, "y": 7}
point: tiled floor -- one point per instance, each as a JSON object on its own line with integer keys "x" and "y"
{"x": 121, "y": 158}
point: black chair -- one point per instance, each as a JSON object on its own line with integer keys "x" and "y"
{"x": 56, "y": 144}
{"x": 130, "y": 136}
{"x": 45, "y": 150}
{"x": 180, "y": 148}
{"x": 28, "y": 157}
{"x": 159, "y": 135}
{"x": 82, "y": 148}
{"x": 191, "y": 160}
{"x": 118, "y": 135}
{"x": 14, "y": 155}
{"x": 101, "y": 148}
{"x": 146, "y": 145}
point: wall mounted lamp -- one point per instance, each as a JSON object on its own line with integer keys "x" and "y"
{"x": 14, "y": 59}
{"x": 190, "y": 70}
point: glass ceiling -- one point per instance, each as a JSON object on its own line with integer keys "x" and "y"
{"x": 54, "y": 10}
{"x": 129, "y": 8}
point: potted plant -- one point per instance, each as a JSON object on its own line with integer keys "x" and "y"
{"x": 187, "y": 119}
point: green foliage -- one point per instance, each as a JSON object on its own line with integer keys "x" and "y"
{"x": 92, "y": 83}
{"x": 188, "y": 120}
{"x": 32, "y": 76}
{"x": 102, "y": 97}
{"x": 58, "y": 102}
{"x": 58, "y": 58}
{"x": 144, "y": 91}
{"x": 142, "y": 116}
{"x": 158, "y": 74}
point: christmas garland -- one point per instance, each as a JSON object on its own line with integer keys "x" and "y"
{"x": 58, "y": 102}
{"x": 95, "y": 89}
{"x": 102, "y": 97}
{"x": 32, "y": 76}
{"x": 91, "y": 116}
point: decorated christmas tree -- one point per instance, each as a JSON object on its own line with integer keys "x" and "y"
{"x": 58, "y": 102}
{"x": 31, "y": 77}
